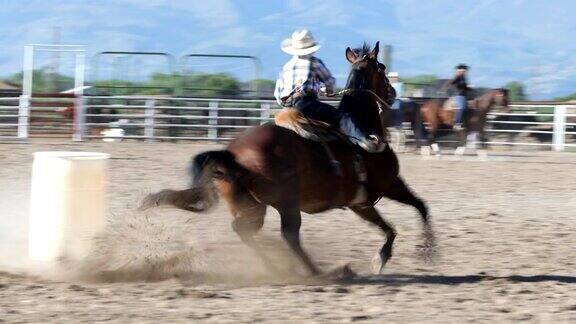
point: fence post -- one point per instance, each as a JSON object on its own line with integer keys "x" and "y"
{"x": 28, "y": 69}
{"x": 558, "y": 138}
{"x": 264, "y": 113}
{"x": 79, "y": 119}
{"x": 149, "y": 121}
{"x": 23, "y": 116}
{"x": 213, "y": 121}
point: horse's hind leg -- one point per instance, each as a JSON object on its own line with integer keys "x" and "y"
{"x": 247, "y": 222}
{"x": 248, "y": 215}
{"x": 291, "y": 220}
{"x": 371, "y": 215}
{"x": 400, "y": 192}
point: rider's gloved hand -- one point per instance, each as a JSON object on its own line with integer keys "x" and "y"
{"x": 328, "y": 92}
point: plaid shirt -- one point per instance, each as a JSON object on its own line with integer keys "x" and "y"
{"x": 304, "y": 73}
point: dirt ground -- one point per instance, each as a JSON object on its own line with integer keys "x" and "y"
{"x": 505, "y": 231}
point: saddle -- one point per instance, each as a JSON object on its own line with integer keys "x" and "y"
{"x": 450, "y": 104}
{"x": 308, "y": 128}
{"x": 322, "y": 132}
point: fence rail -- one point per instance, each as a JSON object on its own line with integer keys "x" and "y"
{"x": 171, "y": 118}
{"x": 11, "y": 122}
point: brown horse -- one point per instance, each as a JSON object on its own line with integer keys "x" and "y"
{"x": 272, "y": 166}
{"x": 438, "y": 114}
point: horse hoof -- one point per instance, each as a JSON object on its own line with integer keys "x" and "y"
{"x": 341, "y": 273}
{"x": 482, "y": 155}
{"x": 148, "y": 202}
{"x": 425, "y": 150}
{"x": 460, "y": 150}
{"x": 379, "y": 262}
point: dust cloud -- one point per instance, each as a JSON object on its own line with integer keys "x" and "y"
{"x": 140, "y": 248}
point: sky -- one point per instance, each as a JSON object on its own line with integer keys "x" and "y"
{"x": 532, "y": 41}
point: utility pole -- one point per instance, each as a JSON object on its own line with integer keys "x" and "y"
{"x": 55, "y": 66}
{"x": 387, "y": 57}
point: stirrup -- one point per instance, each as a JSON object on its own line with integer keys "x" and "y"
{"x": 369, "y": 146}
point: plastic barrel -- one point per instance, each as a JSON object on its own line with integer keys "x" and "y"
{"x": 68, "y": 204}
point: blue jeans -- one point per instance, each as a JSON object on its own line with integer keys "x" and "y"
{"x": 311, "y": 107}
{"x": 461, "y": 105}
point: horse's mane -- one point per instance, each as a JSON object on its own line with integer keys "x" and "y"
{"x": 350, "y": 101}
{"x": 364, "y": 50}
{"x": 486, "y": 95}
{"x": 357, "y": 104}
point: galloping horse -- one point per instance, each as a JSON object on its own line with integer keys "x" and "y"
{"x": 272, "y": 166}
{"x": 438, "y": 113}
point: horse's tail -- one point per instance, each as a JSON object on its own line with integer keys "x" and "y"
{"x": 212, "y": 164}
{"x": 202, "y": 195}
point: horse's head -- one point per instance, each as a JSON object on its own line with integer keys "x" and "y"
{"x": 368, "y": 74}
{"x": 495, "y": 97}
{"x": 367, "y": 84}
{"x": 501, "y": 97}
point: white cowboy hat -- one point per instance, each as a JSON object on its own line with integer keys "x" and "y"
{"x": 301, "y": 43}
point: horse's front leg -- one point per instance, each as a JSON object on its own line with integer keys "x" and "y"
{"x": 430, "y": 139}
{"x": 371, "y": 215}
{"x": 463, "y": 139}
{"x": 433, "y": 141}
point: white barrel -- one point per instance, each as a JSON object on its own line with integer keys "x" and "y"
{"x": 67, "y": 204}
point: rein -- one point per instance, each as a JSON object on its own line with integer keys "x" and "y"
{"x": 380, "y": 101}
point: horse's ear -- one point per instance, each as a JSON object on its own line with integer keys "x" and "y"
{"x": 374, "y": 53}
{"x": 351, "y": 56}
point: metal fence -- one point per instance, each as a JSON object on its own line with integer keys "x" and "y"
{"x": 545, "y": 125}
{"x": 11, "y": 116}
{"x": 526, "y": 124}
{"x": 169, "y": 118}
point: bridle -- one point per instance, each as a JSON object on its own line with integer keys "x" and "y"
{"x": 381, "y": 102}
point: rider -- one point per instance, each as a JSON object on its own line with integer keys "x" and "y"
{"x": 299, "y": 83}
{"x": 460, "y": 86}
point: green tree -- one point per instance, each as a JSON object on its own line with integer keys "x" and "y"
{"x": 264, "y": 87}
{"x": 161, "y": 83}
{"x": 210, "y": 85}
{"x": 567, "y": 98}
{"x": 417, "y": 83}
{"x": 423, "y": 79}
{"x": 116, "y": 87}
{"x": 196, "y": 84}
{"x": 44, "y": 81}
{"x": 516, "y": 91}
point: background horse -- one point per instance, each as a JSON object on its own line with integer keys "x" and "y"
{"x": 437, "y": 114}
{"x": 272, "y": 166}
{"x": 409, "y": 112}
